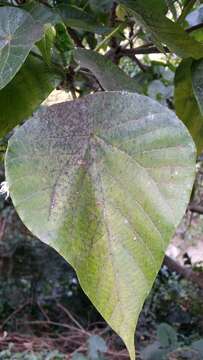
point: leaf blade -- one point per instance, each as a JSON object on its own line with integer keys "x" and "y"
{"x": 109, "y": 75}
{"x": 76, "y": 18}
{"x": 29, "y": 88}
{"x": 18, "y": 33}
{"x": 113, "y": 218}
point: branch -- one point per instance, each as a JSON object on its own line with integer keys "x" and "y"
{"x": 195, "y": 27}
{"x": 196, "y": 208}
{"x": 187, "y": 273}
{"x": 75, "y": 37}
{"x": 148, "y": 48}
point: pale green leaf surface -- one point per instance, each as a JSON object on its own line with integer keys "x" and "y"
{"x": 163, "y": 30}
{"x": 18, "y": 33}
{"x": 104, "y": 180}
{"x": 109, "y": 75}
{"x": 28, "y": 89}
{"x": 186, "y": 105}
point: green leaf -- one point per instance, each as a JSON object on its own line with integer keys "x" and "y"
{"x": 18, "y": 33}
{"x": 197, "y": 82}
{"x": 186, "y": 105}
{"x": 109, "y": 75}
{"x": 64, "y": 41}
{"x": 105, "y": 180}
{"x": 153, "y": 352}
{"x": 198, "y": 346}
{"x": 101, "y": 5}
{"x": 163, "y": 30}
{"x": 77, "y": 18}
{"x": 46, "y": 44}
{"x": 167, "y": 336}
{"x": 96, "y": 346}
{"x": 25, "y": 93}
{"x": 42, "y": 13}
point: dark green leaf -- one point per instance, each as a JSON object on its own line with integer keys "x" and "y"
{"x": 77, "y": 18}
{"x": 105, "y": 180}
{"x": 101, "y": 5}
{"x": 186, "y": 105}
{"x": 24, "y": 93}
{"x": 197, "y": 81}
{"x": 163, "y": 30}
{"x": 63, "y": 40}
{"x": 108, "y": 74}
{"x": 18, "y": 33}
{"x": 42, "y": 13}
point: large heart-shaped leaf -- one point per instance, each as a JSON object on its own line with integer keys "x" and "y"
{"x": 105, "y": 180}
{"x": 163, "y": 30}
{"x": 18, "y": 33}
{"x": 109, "y": 75}
{"x": 29, "y": 88}
{"x": 186, "y": 105}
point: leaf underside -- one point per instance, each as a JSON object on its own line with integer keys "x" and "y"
{"x": 104, "y": 180}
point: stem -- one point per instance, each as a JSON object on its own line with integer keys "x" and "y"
{"x": 187, "y": 273}
{"x": 107, "y": 38}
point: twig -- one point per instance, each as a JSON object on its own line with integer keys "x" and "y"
{"x": 148, "y": 48}
{"x": 41, "y": 322}
{"x": 43, "y": 312}
{"x": 67, "y": 312}
{"x": 2, "y": 228}
{"x": 75, "y": 37}
{"x": 107, "y": 38}
{"x": 194, "y": 28}
{"x": 18, "y": 310}
{"x": 196, "y": 208}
